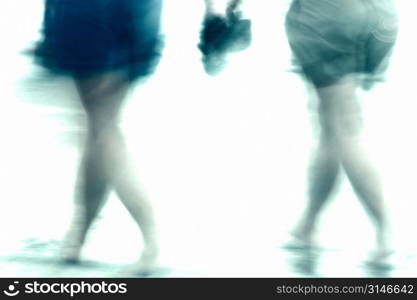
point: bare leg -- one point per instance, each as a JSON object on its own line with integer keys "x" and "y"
{"x": 323, "y": 176}
{"x": 345, "y": 122}
{"x": 94, "y": 187}
{"x": 324, "y": 172}
{"x": 340, "y": 125}
{"x": 366, "y": 184}
{"x": 105, "y": 162}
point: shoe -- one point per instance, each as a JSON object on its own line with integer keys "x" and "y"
{"x": 220, "y": 36}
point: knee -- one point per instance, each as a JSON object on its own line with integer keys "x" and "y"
{"x": 100, "y": 130}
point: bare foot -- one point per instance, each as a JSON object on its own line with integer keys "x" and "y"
{"x": 70, "y": 254}
{"x": 379, "y": 257}
{"x": 72, "y": 246}
{"x": 301, "y": 240}
{"x": 146, "y": 266}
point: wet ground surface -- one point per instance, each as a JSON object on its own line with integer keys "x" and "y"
{"x": 222, "y": 159}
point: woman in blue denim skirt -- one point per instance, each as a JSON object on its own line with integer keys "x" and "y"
{"x": 104, "y": 45}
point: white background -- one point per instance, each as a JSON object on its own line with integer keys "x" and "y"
{"x": 222, "y": 159}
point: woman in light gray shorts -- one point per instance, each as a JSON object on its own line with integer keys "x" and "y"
{"x": 340, "y": 45}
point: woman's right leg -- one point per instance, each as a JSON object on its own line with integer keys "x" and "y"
{"x": 323, "y": 173}
{"x": 106, "y": 163}
{"x": 93, "y": 183}
{"x": 92, "y": 190}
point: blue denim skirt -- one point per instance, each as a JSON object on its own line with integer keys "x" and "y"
{"x": 87, "y": 37}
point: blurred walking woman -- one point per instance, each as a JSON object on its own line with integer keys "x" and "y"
{"x": 104, "y": 45}
{"x": 341, "y": 45}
